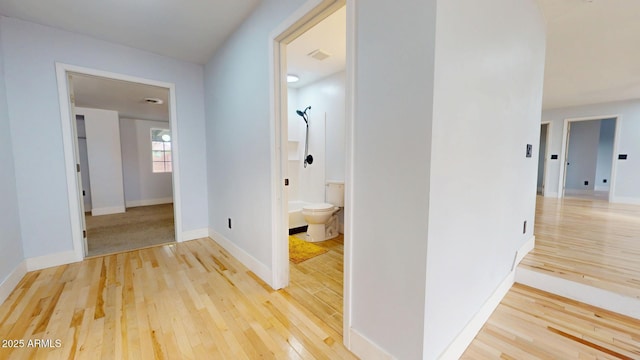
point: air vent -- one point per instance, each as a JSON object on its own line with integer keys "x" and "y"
{"x": 154, "y": 101}
{"x": 319, "y": 54}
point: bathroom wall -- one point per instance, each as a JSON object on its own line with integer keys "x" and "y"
{"x": 141, "y": 185}
{"x": 625, "y": 189}
{"x": 326, "y": 134}
{"x": 296, "y": 145}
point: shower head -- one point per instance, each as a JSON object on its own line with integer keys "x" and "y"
{"x": 303, "y": 114}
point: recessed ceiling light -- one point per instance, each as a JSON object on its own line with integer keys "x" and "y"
{"x": 292, "y": 78}
{"x": 154, "y": 101}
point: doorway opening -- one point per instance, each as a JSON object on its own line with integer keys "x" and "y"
{"x": 589, "y": 164}
{"x": 542, "y": 156}
{"x": 310, "y": 167}
{"x": 120, "y": 140}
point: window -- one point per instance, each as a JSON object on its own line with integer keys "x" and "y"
{"x": 161, "y": 150}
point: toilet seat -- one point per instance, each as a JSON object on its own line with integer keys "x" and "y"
{"x": 319, "y": 207}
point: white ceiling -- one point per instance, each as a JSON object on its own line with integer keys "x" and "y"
{"x": 183, "y": 29}
{"x": 330, "y": 36}
{"x": 125, "y": 97}
{"x": 593, "y": 51}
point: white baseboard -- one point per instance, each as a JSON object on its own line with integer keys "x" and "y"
{"x": 466, "y": 336}
{"x": 601, "y": 188}
{"x": 244, "y": 257}
{"x": 568, "y": 192}
{"x": 11, "y": 281}
{"x": 149, "y": 202}
{"x": 584, "y": 293}
{"x": 626, "y": 200}
{"x": 107, "y": 210}
{"x": 365, "y": 348}
{"x": 46, "y": 261}
{"x": 195, "y": 234}
{"x": 550, "y": 194}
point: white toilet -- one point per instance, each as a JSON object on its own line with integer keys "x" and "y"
{"x": 322, "y": 218}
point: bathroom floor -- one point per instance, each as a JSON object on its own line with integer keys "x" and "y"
{"x": 317, "y": 283}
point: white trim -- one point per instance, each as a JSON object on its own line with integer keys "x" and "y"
{"x": 195, "y": 234}
{"x": 347, "y": 230}
{"x": 466, "y": 336}
{"x": 12, "y": 280}
{"x": 587, "y": 294}
{"x": 108, "y": 210}
{"x": 148, "y": 202}
{"x": 551, "y": 194}
{"x": 365, "y": 348}
{"x": 76, "y": 204}
{"x": 47, "y": 261}
{"x": 244, "y": 257}
{"x": 626, "y": 200}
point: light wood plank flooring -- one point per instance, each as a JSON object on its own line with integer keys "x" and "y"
{"x": 532, "y": 324}
{"x": 588, "y": 241}
{"x": 190, "y": 300}
{"x": 317, "y": 283}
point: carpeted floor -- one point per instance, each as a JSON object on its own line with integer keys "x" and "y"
{"x": 139, "y": 227}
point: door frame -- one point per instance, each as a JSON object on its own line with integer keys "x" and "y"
{"x": 546, "y": 155}
{"x": 70, "y": 143}
{"x": 565, "y": 151}
{"x": 307, "y": 16}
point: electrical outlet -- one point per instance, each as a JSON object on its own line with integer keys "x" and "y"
{"x": 586, "y": 183}
{"x": 229, "y": 223}
{"x": 524, "y": 227}
{"x": 604, "y": 181}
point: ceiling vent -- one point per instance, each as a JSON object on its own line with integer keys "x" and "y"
{"x": 154, "y": 101}
{"x": 319, "y": 54}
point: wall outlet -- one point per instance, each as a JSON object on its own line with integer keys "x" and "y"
{"x": 524, "y": 227}
{"x": 586, "y": 183}
{"x": 229, "y": 220}
{"x": 604, "y": 181}
{"x": 529, "y": 151}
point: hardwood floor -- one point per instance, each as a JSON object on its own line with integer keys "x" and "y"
{"x": 532, "y": 324}
{"x": 190, "y": 300}
{"x": 317, "y": 283}
{"x": 588, "y": 241}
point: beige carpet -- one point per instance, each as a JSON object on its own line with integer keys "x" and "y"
{"x": 139, "y": 227}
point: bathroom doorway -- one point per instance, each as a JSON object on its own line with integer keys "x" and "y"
{"x": 312, "y": 136}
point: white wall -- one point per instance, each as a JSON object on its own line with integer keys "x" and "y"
{"x": 295, "y": 132}
{"x": 326, "y": 135}
{"x": 104, "y": 156}
{"x": 391, "y": 172}
{"x": 11, "y": 253}
{"x": 605, "y": 154}
{"x": 489, "y": 67}
{"x": 238, "y": 132}
{"x": 84, "y": 163}
{"x": 583, "y": 154}
{"x": 141, "y": 185}
{"x": 30, "y": 52}
{"x": 625, "y": 188}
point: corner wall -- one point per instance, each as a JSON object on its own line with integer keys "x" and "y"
{"x": 238, "y": 131}
{"x": 627, "y": 176}
{"x": 489, "y": 71}
{"x": 11, "y": 253}
{"x": 30, "y": 53}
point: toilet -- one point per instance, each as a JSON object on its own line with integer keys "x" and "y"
{"x": 322, "y": 218}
